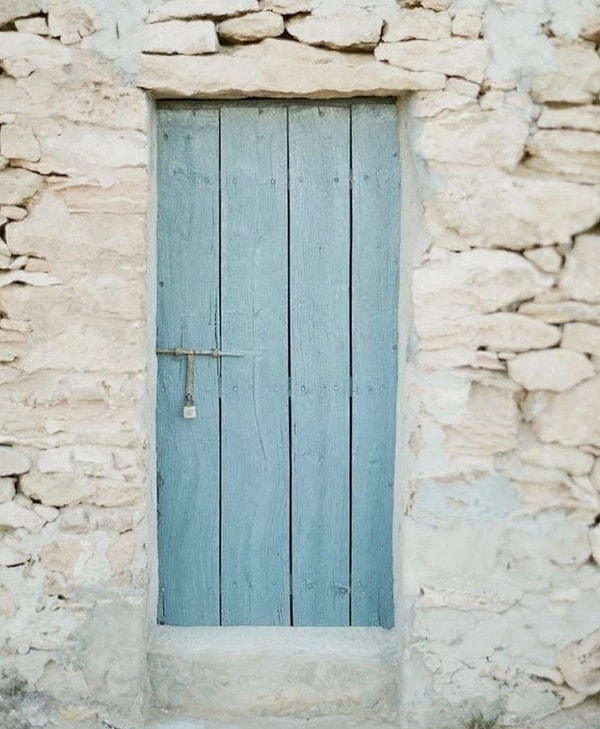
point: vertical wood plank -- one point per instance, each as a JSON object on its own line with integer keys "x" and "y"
{"x": 255, "y": 448}
{"x": 375, "y": 251}
{"x": 319, "y": 317}
{"x": 187, "y": 450}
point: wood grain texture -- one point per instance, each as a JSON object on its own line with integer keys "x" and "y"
{"x": 255, "y": 443}
{"x": 375, "y": 251}
{"x": 319, "y": 317}
{"x": 187, "y": 450}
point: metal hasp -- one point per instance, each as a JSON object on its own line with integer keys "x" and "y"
{"x": 189, "y": 408}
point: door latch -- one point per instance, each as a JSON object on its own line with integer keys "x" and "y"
{"x": 189, "y": 407}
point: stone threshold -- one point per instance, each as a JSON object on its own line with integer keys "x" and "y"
{"x": 293, "y": 673}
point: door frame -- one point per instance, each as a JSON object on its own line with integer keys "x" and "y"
{"x": 348, "y": 670}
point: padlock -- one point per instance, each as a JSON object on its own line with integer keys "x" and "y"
{"x": 189, "y": 411}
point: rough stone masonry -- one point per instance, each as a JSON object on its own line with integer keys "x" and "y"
{"x": 498, "y": 484}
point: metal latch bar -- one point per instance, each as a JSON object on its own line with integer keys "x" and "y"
{"x": 189, "y": 407}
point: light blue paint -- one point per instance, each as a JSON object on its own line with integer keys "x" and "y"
{"x": 229, "y": 517}
{"x": 375, "y": 251}
{"x": 188, "y": 279}
{"x": 254, "y": 445}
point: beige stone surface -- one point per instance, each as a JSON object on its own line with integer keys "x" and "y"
{"x": 17, "y": 186}
{"x": 454, "y": 57}
{"x": 14, "y": 515}
{"x": 57, "y": 490}
{"x": 562, "y": 311}
{"x": 570, "y": 460}
{"x": 467, "y": 23}
{"x": 570, "y": 117}
{"x": 353, "y": 28}
{"x": 472, "y": 282}
{"x": 13, "y": 9}
{"x": 436, "y": 5}
{"x": 70, "y": 21}
{"x": 37, "y": 25}
{"x": 483, "y": 137}
{"x": 13, "y": 461}
{"x": 579, "y": 663}
{"x": 574, "y": 77}
{"x": 251, "y": 27}
{"x": 7, "y": 489}
{"x": 19, "y": 142}
{"x": 185, "y": 9}
{"x": 572, "y": 154}
{"x": 77, "y": 148}
{"x": 190, "y": 38}
{"x": 547, "y": 258}
{"x": 582, "y": 337}
{"x": 286, "y": 7}
{"x": 533, "y": 211}
{"x": 37, "y": 52}
{"x": 281, "y": 68}
{"x": 581, "y": 276}
{"x": 551, "y": 369}
{"x": 571, "y": 417}
{"x": 416, "y": 24}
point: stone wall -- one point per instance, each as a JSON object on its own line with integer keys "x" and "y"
{"x": 499, "y": 450}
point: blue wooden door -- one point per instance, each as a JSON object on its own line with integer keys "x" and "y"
{"x": 278, "y": 236}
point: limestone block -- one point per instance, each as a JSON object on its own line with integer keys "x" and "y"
{"x": 19, "y": 142}
{"x": 571, "y": 417}
{"x": 33, "y": 278}
{"x": 562, "y": 311}
{"x": 551, "y": 456}
{"x": 479, "y": 137}
{"x": 13, "y": 461}
{"x": 12, "y": 212}
{"x": 572, "y": 154}
{"x": 581, "y": 276}
{"x": 10, "y": 557}
{"x": 12, "y": 9}
{"x": 417, "y": 24}
{"x": 471, "y": 282}
{"x": 7, "y": 489}
{"x": 286, "y": 7}
{"x": 551, "y": 369}
{"x": 502, "y": 332}
{"x": 489, "y": 427}
{"x": 190, "y": 38}
{"x": 579, "y": 663}
{"x": 70, "y": 149}
{"x": 429, "y": 104}
{"x": 570, "y": 117}
{"x": 436, "y": 5}
{"x": 37, "y": 52}
{"x": 533, "y": 211}
{"x": 17, "y": 186}
{"x": 251, "y": 27}
{"x": 575, "y": 78}
{"x": 279, "y": 67}
{"x": 185, "y": 9}
{"x": 56, "y": 490}
{"x": 453, "y": 57}
{"x": 467, "y": 23}
{"x": 70, "y": 21}
{"x": 353, "y": 28}
{"x": 55, "y": 460}
{"x": 546, "y": 258}
{"x": 14, "y": 515}
{"x": 582, "y": 338}
{"x": 36, "y": 25}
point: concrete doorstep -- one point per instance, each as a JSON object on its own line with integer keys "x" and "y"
{"x": 341, "y": 722}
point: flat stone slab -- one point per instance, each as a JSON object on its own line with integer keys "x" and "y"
{"x": 337, "y": 722}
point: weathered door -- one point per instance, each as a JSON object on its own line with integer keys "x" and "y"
{"x": 278, "y": 236}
